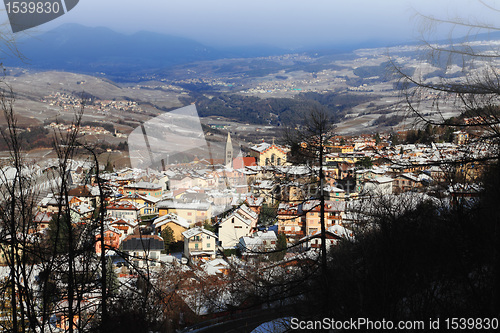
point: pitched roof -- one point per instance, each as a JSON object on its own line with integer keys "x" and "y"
{"x": 238, "y": 216}
{"x": 341, "y": 231}
{"x": 261, "y": 147}
{"x": 335, "y": 231}
{"x": 42, "y": 217}
{"x": 130, "y": 223}
{"x": 143, "y": 243}
{"x": 330, "y": 206}
{"x": 240, "y": 162}
{"x": 171, "y": 217}
{"x": 125, "y": 205}
{"x": 215, "y": 266}
{"x": 248, "y": 211}
{"x": 171, "y": 204}
{"x": 253, "y": 201}
{"x": 384, "y": 179}
{"x": 196, "y": 231}
{"x": 80, "y": 191}
{"x": 144, "y": 185}
{"x": 82, "y": 208}
{"x": 145, "y": 197}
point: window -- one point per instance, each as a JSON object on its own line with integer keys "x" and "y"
{"x": 196, "y": 246}
{"x": 208, "y": 244}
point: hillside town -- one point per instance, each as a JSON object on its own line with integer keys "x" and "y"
{"x": 211, "y": 220}
{"x": 69, "y": 102}
{"x": 194, "y": 167}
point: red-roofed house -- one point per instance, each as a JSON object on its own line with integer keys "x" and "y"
{"x": 123, "y": 226}
{"x": 334, "y": 211}
{"x": 241, "y": 162}
{"x": 111, "y": 240}
{"x": 42, "y": 220}
{"x": 123, "y": 210}
{"x": 290, "y": 221}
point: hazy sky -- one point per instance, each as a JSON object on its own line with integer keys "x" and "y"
{"x": 284, "y": 23}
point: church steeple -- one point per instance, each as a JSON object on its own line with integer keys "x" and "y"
{"x": 229, "y": 151}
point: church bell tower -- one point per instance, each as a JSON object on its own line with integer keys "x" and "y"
{"x": 229, "y": 151}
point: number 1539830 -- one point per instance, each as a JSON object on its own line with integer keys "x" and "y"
{"x": 471, "y": 323}
{"x": 32, "y": 7}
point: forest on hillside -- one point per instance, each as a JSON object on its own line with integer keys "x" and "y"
{"x": 276, "y": 111}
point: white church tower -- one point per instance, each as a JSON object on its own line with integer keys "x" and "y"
{"x": 229, "y": 151}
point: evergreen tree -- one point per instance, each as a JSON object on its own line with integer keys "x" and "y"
{"x": 210, "y": 227}
{"x": 267, "y": 215}
{"x": 112, "y": 282}
{"x": 109, "y": 167}
{"x": 365, "y": 163}
{"x": 168, "y": 237}
{"x": 58, "y": 233}
{"x": 281, "y": 247}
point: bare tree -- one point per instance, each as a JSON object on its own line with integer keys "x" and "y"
{"x": 57, "y": 273}
{"x": 18, "y": 199}
{"x": 474, "y": 91}
{"x": 308, "y": 142}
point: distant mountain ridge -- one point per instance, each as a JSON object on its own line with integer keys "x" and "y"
{"x": 76, "y": 48}
{"x": 90, "y": 50}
